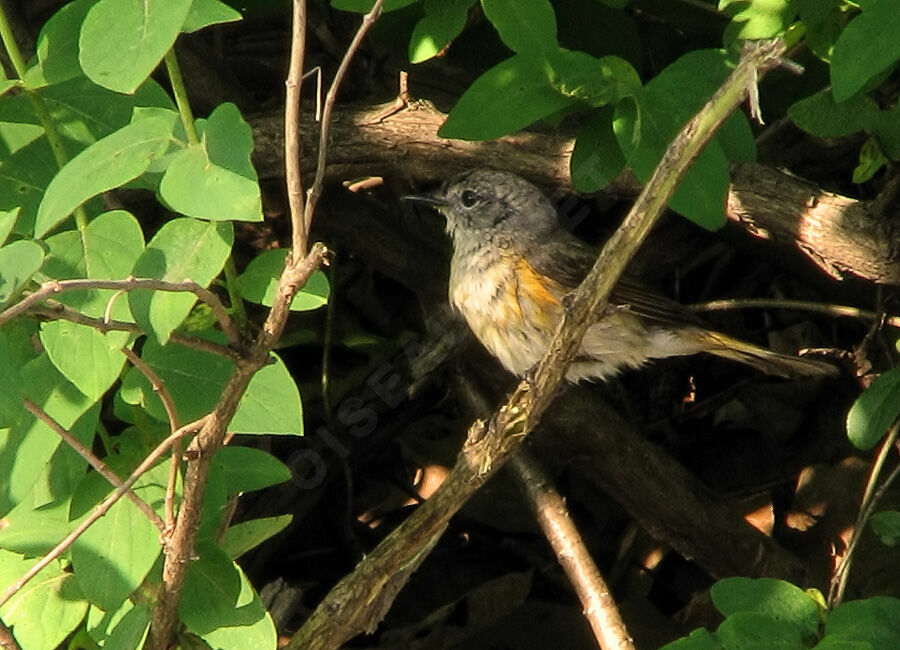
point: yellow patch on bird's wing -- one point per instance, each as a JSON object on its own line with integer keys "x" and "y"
{"x": 537, "y": 297}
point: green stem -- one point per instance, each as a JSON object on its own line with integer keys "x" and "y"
{"x": 38, "y": 105}
{"x": 238, "y": 313}
{"x": 181, "y": 98}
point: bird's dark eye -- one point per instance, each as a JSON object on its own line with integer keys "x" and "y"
{"x": 469, "y": 198}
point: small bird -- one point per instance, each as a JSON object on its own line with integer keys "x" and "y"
{"x": 513, "y": 264}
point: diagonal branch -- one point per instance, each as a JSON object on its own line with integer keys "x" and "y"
{"x": 361, "y": 599}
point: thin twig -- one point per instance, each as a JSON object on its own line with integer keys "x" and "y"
{"x": 800, "y": 305}
{"x": 159, "y": 387}
{"x": 359, "y": 601}
{"x": 871, "y": 497}
{"x": 53, "y": 310}
{"x": 292, "y": 151}
{"x": 102, "y": 508}
{"x": 54, "y": 287}
{"x": 316, "y": 190}
{"x": 94, "y": 462}
{"x": 551, "y": 513}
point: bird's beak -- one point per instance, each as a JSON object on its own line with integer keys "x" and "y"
{"x": 426, "y": 199}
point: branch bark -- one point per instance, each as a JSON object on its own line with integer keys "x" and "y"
{"x": 839, "y": 234}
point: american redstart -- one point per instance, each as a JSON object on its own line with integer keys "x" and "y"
{"x": 513, "y": 263}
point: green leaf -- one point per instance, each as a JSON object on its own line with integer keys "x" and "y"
{"x": 866, "y": 48}
{"x": 204, "y": 13}
{"x": 247, "y": 535}
{"x": 259, "y": 282}
{"x": 886, "y": 524}
{"x": 842, "y": 642}
{"x": 597, "y": 82}
{"x": 23, "y": 178}
{"x": 112, "y": 557}
{"x": 666, "y": 104}
{"x": 8, "y": 220}
{"x": 11, "y": 396}
{"x": 755, "y": 631}
{"x": 871, "y": 161}
{"x": 246, "y": 469}
{"x": 214, "y": 179}
{"x": 774, "y": 599}
{"x": 183, "y": 249}
{"x": 506, "y": 98}
{"x": 195, "y": 379}
{"x": 362, "y": 6}
{"x": 597, "y": 158}
{"x": 443, "y": 21}
{"x": 44, "y": 612}
{"x": 527, "y": 28}
{"x": 757, "y": 19}
{"x": 130, "y": 631}
{"x": 90, "y": 359}
{"x": 34, "y": 531}
{"x": 57, "y": 44}
{"x": 18, "y": 262}
{"x": 701, "y": 639}
{"x": 122, "y": 41}
{"x": 108, "y": 163}
{"x": 875, "y": 410}
{"x": 107, "y": 249}
{"x": 875, "y": 620}
{"x": 821, "y": 116}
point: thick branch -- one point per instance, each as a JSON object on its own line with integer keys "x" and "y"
{"x": 837, "y": 233}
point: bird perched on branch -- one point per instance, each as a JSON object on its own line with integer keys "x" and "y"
{"x": 513, "y": 264}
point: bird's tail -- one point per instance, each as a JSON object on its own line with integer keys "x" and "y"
{"x": 762, "y": 359}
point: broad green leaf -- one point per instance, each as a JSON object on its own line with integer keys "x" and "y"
{"x": 219, "y": 604}
{"x": 666, "y": 104}
{"x": 597, "y": 158}
{"x": 112, "y": 557}
{"x": 204, "y": 13}
{"x": 597, "y": 82}
{"x": 11, "y": 394}
{"x": 755, "y": 631}
{"x": 701, "y": 639}
{"x": 259, "y": 282}
{"x": 57, "y": 44}
{"x": 183, "y": 249}
{"x": 122, "y": 41}
{"x": 195, "y": 379}
{"x": 106, "y": 250}
{"x": 875, "y": 410}
{"x": 527, "y": 28}
{"x": 34, "y": 531}
{"x": 47, "y": 609}
{"x": 866, "y": 48}
{"x": 842, "y": 642}
{"x": 821, "y": 116}
{"x": 886, "y": 524}
{"x": 757, "y": 19}
{"x": 506, "y": 98}
{"x": 776, "y": 599}
{"x": 871, "y": 161}
{"x": 246, "y": 469}
{"x": 824, "y": 22}
{"x": 18, "y": 262}
{"x": 443, "y": 21}
{"x": 23, "y": 178}
{"x": 8, "y": 220}
{"x": 214, "y": 179}
{"x": 64, "y": 471}
{"x": 108, "y": 163}
{"x": 130, "y": 631}
{"x": 362, "y": 6}
{"x": 875, "y": 620}
{"x": 90, "y": 359}
{"x": 247, "y": 535}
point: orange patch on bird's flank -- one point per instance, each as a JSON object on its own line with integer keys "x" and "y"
{"x": 536, "y": 291}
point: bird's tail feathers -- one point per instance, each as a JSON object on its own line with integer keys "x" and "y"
{"x": 762, "y": 359}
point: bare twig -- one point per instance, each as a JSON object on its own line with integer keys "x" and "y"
{"x": 93, "y": 461}
{"x": 360, "y": 599}
{"x": 551, "y": 513}
{"x": 800, "y": 305}
{"x": 54, "y": 310}
{"x": 316, "y": 190}
{"x": 159, "y": 387}
{"x": 292, "y": 151}
{"x": 128, "y": 284}
{"x": 102, "y": 508}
